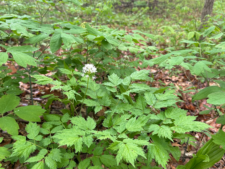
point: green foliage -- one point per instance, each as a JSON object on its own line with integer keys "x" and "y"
{"x": 127, "y": 123}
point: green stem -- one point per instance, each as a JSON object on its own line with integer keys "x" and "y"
{"x": 84, "y": 96}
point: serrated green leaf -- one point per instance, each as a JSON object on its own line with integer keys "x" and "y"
{"x": 3, "y": 58}
{"x": 79, "y": 121}
{"x": 43, "y": 80}
{"x": 129, "y": 152}
{"x": 114, "y": 79}
{"x": 55, "y": 42}
{"x": 84, "y": 164}
{"x": 65, "y": 118}
{"x": 70, "y": 137}
{"x": 162, "y": 131}
{"x": 150, "y": 98}
{"x": 1, "y": 139}
{"x": 136, "y": 124}
{"x": 95, "y": 167}
{"x": 67, "y": 39}
{"x": 50, "y": 163}
{"x": 9, "y": 124}
{"x": 92, "y": 30}
{"x": 46, "y": 141}
{"x": 71, "y": 165}
{"x": 112, "y": 40}
{"x": 30, "y": 113}
{"x": 127, "y": 81}
{"x": 140, "y": 75}
{"x": 91, "y": 103}
{"x": 23, "y": 59}
{"x": 56, "y": 155}
{"x": 40, "y": 156}
{"x": 108, "y": 160}
{"x": 39, "y": 165}
{"x": 4, "y": 153}
{"x": 23, "y": 149}
{"x": 157, "y": 151}
{"x": 8, "y": 103}
{"x": 57, "y": 128}
{"x": 33, "y": 130}
{"x": 175, "y": 151}
{"x": 96, "y": 161}
{"x": 88, "y": 140}
{"x": 140, "y": 103}
{"x": 98, "y": 151}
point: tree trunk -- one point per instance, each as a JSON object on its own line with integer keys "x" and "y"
{"x": 207, "y": 10}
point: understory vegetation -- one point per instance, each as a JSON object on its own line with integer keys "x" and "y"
{"x": 111, "y": 84}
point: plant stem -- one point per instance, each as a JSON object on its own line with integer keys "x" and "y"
{"x": 84, "y": 96}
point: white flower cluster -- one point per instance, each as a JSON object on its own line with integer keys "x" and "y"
{"x": 89, "y": 69}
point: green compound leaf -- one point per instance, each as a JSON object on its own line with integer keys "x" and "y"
{"x": 23, "y": 59}
{"x": 30, "y": 113}
{"x": 10, "y": 125}
{"x": 33, "y": 130}
{"x": 4, "y": 153}
{"x": 8, "y": 103}
{"x": 219, "y": 138}
{"x": 129, "y": 152}
{"x": 70, "y": 137}
{"x": 79, "y": 121}
{"x": 40, "y": 156}
{"x": 23, "y": 149}
{"x": 136, "y": 124}
{"x": 162, "y": 131}
{"x": 184, "y": 123}
{"x": 55, "y": 42}
{"x": 3, "y": 58}
{"x": 216, "y": 98}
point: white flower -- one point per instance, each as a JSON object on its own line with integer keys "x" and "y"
{"x": 126, "y": 57}
{"x": 89, "y": 68}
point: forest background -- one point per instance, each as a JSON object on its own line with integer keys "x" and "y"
{"x": 112, "y": 84}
